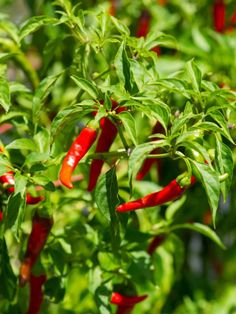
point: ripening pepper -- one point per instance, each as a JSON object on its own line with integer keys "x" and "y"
{"x": 125, "y": 304}
{"x": 169, "y": 193}
{"x": 41, "y": 227}
{"x": 219, "y": 15}
{"x": 105, "y": 140}
{"x": 78, "y": 149}
{"x": 36, "y": 293}
{"x": 143, "y": 24}
{"x": 156, "y": 241}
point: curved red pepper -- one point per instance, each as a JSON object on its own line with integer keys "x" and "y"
{"x": 105, "y": 140}
{"x": 143, "y": 24}
{"x": 156, "y": 241}
{"x": 148, "y": 162}
{"x": 125, "y": 303}
{"x": 113, "y": 7}
{"x": 36, "y": 293}
{"x": 169, "y": 193}
{"x": 41, "y": 227}
{"x": 219, "y": 15}
{"x": 78, "y": 149}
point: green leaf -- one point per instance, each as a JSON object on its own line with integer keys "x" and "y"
{"x": 86, "y": 86}
{"x": 8, "y": 279}
{"x": 157, "y": 109}
{"x": 129, "y": 125}
{"x": 70, "y": 115}
{"x": 138, "y": 155}
{"x": 106, "y": 194}
{"x": 205, "y": 230}
{"x": 174, "y": 207}
{"x": 211, "y": 184}
{"x": 54, "y": 289}
{"x": 106, "y": 198}
{"x": 122, "y": 66}
{"x": 11, "y": 29}
{"x": 23, "y": 143}
{"x": 154, "y": 39}
{"x": 20, "y": 184}
{"x": 107, "y": 261}
{"x": 122, "y": 28}
{"x": 5, "y": 165}
{"x": 102, "y": 299}
{"x": 219, "y": 118}
{"x": 15, "y": 213}
{"x": 33, "y": 24}
{"x": 224, "y": 164}
{"x": 41, "y": 94}
{"x": 44, "y": 181}
{"x": 194, "y": 74}
{"x": 5, "y": 101}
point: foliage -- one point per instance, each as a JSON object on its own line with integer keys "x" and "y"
{"x": 61, "y": 64}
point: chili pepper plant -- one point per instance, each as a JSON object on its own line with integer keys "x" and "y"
{"x": 117, "y": 156}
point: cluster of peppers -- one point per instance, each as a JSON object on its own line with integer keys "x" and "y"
{"x": 40, "y": 230}
{"x": 219, "y": 17}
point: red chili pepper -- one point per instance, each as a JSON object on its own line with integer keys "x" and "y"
{"x": 8, "y": 178}
{"x": 125, "y": 303}
{"x": 105, "y": 140}
{"x": 41, "y": 227}
{"x": 143, "y": 24}
{"x": 1, "y": 215}
{"x": 162, "y": 2}
{"x": 36, "y": 293}
{"x": 147, "y": 164}
{"x": 78, "y": 149}
{"x": 5, "y": 127}
{"x": 219, "y": 16}
{"x": 169, "y": 193}
{"x": 32, "y": 200}
{"x": 233, "y": 18}
{"x": 113, "y": 7}
{"x": 156, "y": 241}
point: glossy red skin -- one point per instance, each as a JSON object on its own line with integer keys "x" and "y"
{"x": 169, "y": 193}
{"x": 143, "y": 24}
{"x": 8, "y": 178}
{"x": 155, "y": 243}
{"x": 78, "y": 149}
{"x": 105, "y": 140}
{"x": 219, "y": 16}
{"x": 148, "y": 162}
{"x": 126, "y": 301}
{"x": 1, "y": 215}
{"x": 36, "y": 293}
{"x": 41, "y": 227}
